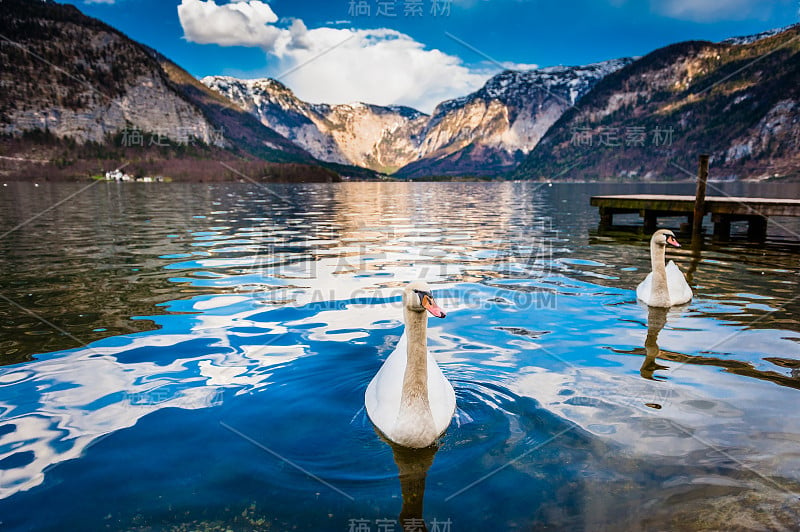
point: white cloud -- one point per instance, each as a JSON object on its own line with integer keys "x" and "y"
{"x": 238, "y": 24}
{"x": 508, "y": 65}
{"x": 712, "y": 10}
{"x": 375, "y": 66}
{"x": 335, "y": 65}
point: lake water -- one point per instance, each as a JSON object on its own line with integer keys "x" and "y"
{"x": 194, "y": 357}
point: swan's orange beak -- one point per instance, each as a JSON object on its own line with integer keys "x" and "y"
{"x": 672, "y": 242}
{"x": 430, "y": 305}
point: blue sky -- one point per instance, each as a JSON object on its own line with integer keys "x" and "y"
{"x": 338, "y": 51}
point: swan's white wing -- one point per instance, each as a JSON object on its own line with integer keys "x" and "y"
{"x": 385, "y": 391}
{"x": 441, "y": 396}
{"x": 644, "y": 289}
{"x": 382, "y": 398}
{"x": 679, "y": 290}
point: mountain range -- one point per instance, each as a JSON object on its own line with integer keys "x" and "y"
{"x": 487, "y": 132}
{"x": 738, "y": 101}
{"x": 643, "y": 118}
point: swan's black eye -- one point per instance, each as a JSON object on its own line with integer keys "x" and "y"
{"x": 422, "y": 295}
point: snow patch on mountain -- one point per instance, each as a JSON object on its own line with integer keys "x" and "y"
{"x": 749, "y": 39}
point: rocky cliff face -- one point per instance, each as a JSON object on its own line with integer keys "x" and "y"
{"x": 381, "y": 138}
{"x": 147, "y": 106}
{"x": 486, "y": 132}
{"x": 77, "y": 78}
{"x": 107, "y": 85}
{"x": 737, "y": 102}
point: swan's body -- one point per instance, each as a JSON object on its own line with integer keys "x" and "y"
{"x": 678, "y": 288}
{"x": 664, "y": 286}
{"x": 409, "y": 400}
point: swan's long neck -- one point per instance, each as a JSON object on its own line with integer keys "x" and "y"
{"x": 659, "y": 295}
{"x": 414, "y": 423}
{"x": 415, "y": 380}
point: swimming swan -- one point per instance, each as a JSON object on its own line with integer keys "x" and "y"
{"x": 409, "y": 400}
{"x": 664, "y": 286}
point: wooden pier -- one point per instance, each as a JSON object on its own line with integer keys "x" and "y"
{"x": 723, "y": 210}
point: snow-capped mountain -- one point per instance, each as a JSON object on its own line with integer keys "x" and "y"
{"x": 494, "y": 128}
{"x": 486, "y": 132}
{"x": 381, "y": 138}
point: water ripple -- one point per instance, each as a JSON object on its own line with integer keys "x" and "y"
{"x": 220, "y": 304}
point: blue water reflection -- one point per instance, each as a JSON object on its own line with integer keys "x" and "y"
{"x": 243, "y": 407}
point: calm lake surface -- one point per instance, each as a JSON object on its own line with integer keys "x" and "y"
{"x": 194, "y": 357}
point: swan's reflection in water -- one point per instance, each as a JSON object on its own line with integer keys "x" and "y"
{"x": 412, "y": 468}
{"x": 656, "y": 319}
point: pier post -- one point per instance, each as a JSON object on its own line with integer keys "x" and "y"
{"x": 606, "y": 216}
{"x": 757, "y": 228}
{"x": 700, "y": 194}
{"x": 722, "y": 226}
{"x": 650, "y": 220}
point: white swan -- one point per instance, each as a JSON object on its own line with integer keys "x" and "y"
{"x": 664, "y": 286}
{"x": 409, "y": 400}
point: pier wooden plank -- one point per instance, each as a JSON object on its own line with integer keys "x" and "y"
{"x": 723, "y": 209}
{"x": 713, "y": 204}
